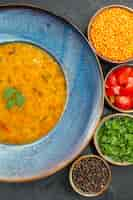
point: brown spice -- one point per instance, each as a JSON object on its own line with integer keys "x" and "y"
{"x": 90, "y": 175}
{"x": 111, "y": 33}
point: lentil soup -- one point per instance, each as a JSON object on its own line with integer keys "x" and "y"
{"x": 32, "y": 93}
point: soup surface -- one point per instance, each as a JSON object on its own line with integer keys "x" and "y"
{"x": 32, "y": 93}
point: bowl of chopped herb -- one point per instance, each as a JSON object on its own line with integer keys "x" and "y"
{"x": 110, "y": 33}
{"x": 113, "y": 139}
{"x": 90, "y": 175}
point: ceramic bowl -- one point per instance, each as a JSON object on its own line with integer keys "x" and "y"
{"x": 85, "y": 99}
{"x": 81, "y": 192}
{"x": 107, "y": 98}
{"x": 89, "y": 28}
{"x": 96, "y": 142}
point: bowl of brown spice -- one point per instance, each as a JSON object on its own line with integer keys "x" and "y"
{"x": 90, "y": 176}
{"x": 110, "y": 33}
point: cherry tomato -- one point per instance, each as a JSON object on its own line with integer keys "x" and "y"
{"x": 123, "y": 102}
{"x": 127, "y": 91}
{"x": 123, "y": 69}
{"x": 114, "y": 90}
{"x": 109, "y": 92}
{"x": 131, "y": 73}
{"x": 122, "y": 75}
{"x": 130, "y": 82}
{"x": 111, "y": 80}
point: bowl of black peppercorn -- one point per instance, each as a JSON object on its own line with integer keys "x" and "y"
{"x": 90, "y": 175}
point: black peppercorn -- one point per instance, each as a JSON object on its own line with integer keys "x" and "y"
{"x": 90, "y": 175}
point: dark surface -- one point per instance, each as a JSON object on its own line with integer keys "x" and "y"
{"x": 57, "y": 187}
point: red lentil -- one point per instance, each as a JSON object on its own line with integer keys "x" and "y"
{"x": 111, "y": 33}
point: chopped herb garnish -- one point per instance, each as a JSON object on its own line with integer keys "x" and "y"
{"x": 13, "y": 97}
{"x": 20, "y": 99}
{"x": 10, "y": 103}
{"x": 9, "y": 92}
{"x": 115, "y": 139}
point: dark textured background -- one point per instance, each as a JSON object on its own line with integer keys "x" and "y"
{"x": 57, "y": 187}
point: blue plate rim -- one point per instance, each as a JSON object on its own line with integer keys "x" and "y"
{"x": 76, "y": 153}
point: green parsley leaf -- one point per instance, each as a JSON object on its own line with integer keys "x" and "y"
{"x": 20, "y": 99}
{"x": 13, "y": 97}
{"x": 10, "y": 103}
{"x": 9, "y": 92}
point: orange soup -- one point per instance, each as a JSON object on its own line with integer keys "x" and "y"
{"x": 32, "y": 93}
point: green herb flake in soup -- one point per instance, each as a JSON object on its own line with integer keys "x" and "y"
{"x": 115, "y": 138}
{"x": 13, "y": 97}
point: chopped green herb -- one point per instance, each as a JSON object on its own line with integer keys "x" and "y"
{"x": 9, "y": 92}
{"x": 13, "y": 97}
{"x": 10, "y": 103}
{"x": 115, "y": 139}
{"x": 20, "y": 100}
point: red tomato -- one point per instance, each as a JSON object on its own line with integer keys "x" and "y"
{"x": 122, "y": 74}
{"x": 111, "y": 80}
{"x": 109, "y": 92}
{"x": 132, "y": 102}
{"x": 112, "y": 91}
{"x": 130, "y": 81}
{"x": 123, "y": 102}
{"x": 131, "y": 73}
{"x": 127, "y": 91}
{"x": 116, "y": 90}
{"x": 123, "y": 69}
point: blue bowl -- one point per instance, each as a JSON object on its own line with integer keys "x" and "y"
{"x": 85, "y": 93}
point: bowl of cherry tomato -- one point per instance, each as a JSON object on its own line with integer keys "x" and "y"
{"x": 119, "y": 88}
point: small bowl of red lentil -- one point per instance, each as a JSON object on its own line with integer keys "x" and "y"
{"x": 90, "y": 176}
{"x": 118, "y": 86}
{"x": 110, "y": 33}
